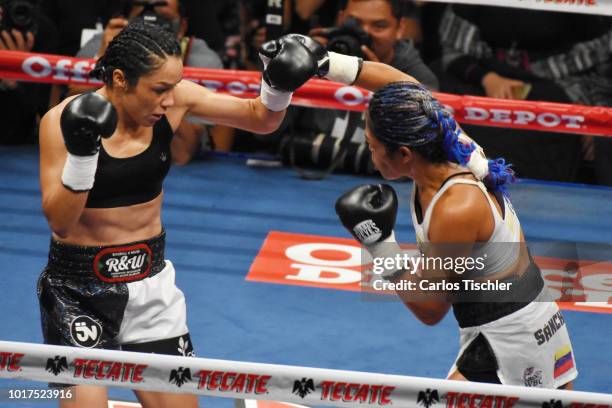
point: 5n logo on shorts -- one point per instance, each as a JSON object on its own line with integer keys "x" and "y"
{"x": 85, "y": 331}
{"x": 367, "y": 232}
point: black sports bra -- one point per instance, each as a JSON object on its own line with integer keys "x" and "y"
{"x": 133, "y": 180}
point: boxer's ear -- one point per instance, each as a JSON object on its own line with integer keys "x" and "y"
{"x": 406, "y": 154}
{"x": 119, "y": 80}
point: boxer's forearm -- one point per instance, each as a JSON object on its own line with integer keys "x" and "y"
{"x": 429, "y": 312}
{"x": 375, "y": 75}
{"x": 63, "y": 208}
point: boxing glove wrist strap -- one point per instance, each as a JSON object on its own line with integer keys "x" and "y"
{"x": 79, "y": 172}
{"x": 343, "y": 68}
{"x": 273, "y": 99}
{"x": 387, "y": 249}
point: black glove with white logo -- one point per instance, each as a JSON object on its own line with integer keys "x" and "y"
{"x": 369, "y": 212}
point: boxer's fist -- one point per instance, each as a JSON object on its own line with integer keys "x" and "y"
{"x": 84, "y": 120}
{"x": 318, "y": 51}
{"x": 288, "y": 63}
{"x": 368, "y": 212}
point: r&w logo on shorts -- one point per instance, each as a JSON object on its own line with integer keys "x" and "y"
{"x": 123, "y": 264}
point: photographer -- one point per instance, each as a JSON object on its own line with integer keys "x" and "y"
{"x": 379, "y": 25}
{"x": 371, "y": 29}
{"x": 196, "y": 53}
{"x": 24, "y": 28}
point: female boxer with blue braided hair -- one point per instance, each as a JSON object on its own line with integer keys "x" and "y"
{"x": 103, "y": 159}
{"x": 407, "y": 114}
{"x": 459, "y": 197}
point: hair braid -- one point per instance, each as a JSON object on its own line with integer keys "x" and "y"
{"x": 137, "y": 50}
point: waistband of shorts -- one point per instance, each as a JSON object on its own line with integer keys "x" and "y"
{"x": 521, "y": 293}
{"x": 82, "y": 261}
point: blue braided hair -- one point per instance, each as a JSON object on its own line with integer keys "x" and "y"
{"x": 407, "y": 114}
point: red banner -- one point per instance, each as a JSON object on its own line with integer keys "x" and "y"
{"x": 546, "y": 116}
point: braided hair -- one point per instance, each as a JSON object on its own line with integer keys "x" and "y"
{"x": 407, "y": 114}
{"x": 137, "y": 50}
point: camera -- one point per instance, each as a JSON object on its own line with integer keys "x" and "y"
{"x": 348, "y": 38}
{"x": 320, "y": 151}
{"x": 150, "y": 16}
{"x": 21, "y": 15}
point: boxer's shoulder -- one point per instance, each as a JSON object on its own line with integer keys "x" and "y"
{"x": 53, "y": 115}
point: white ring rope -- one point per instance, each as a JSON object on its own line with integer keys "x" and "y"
{"x": 236, "y": 379}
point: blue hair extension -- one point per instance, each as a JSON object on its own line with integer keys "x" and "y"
{"x": 457, "y": 151}
{"x": 500, "y": 175}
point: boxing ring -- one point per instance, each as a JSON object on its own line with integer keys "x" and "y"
{"x": 218, "y": 213}
{"x": 224, "y": 218}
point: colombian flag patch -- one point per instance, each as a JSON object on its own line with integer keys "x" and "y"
{"x": 564, "y": 361}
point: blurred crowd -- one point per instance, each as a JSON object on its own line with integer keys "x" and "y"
{"x": 499, "y": 52}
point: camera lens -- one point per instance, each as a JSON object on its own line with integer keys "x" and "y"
{"x": 342, "y": 47}
{"x": 345, "y": 44}
{"x": 21, "y": 14}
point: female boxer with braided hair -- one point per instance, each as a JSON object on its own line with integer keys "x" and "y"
{"x": 103, "y": 158}
{"x": 459, "y": 209}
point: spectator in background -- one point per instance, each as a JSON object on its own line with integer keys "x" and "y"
{"x": 196, "y": 53}
{"x": 228, "y": 14}
{"x": 300, "y": 16}
{"x": 24, "y": 102}
{"x": 430, "y": 15}
{"x": 309, "y": 14}
{"x": 72, "y": 16}
{"x": 254, "y": 32}
{"x": 205, "y": 22}
{"x": 513, "y": 53}
{"x": 412, "y": 26}
{"x": 76, "y": 20}
{"x": 383, "y": 22}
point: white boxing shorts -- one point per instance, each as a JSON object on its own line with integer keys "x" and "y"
{"x": 529, "y": 347}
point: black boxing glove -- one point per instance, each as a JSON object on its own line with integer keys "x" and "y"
{"x": 84, "y": 120}
{"x": 331, "y": 65}
{"x": 369, "y": 212}
{"x": 291, "y": 63}
{"x": 288, "y": 64}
